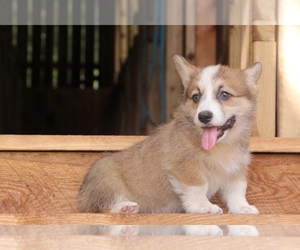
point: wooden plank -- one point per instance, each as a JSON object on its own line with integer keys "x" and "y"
{"x": 113, "y": 143}
{"x": 174, "y": 41}
{"x": 190, "y": 30}
{"x": 206, "y": 45}
{"x": 205, "y": 33}
{"x": 239, "y": 46}
{"x": 263, "y": 33}
{"x": 47, "y": 184}
{"x": 288, "y": 111}
{"x": 265, "y": 53}
{"x": 275, "y": 145}
{"x": 150, "y": 219}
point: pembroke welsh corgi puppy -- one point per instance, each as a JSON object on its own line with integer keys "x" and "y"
{"x": 203, "y": 150}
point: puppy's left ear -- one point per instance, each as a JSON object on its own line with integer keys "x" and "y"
{"x": 253, "y": 73}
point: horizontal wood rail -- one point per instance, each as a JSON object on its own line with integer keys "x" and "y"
{"x": 150, "y": 219}
{"x": 112, "y": 143}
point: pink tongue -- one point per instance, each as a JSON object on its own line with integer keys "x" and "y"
{"x": 209, "y": 137}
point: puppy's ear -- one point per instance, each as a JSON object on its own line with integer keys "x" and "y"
{"x": 184, "y": 69}
{"x": 253, "y": 73}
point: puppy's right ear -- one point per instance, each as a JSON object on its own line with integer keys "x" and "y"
{"x": 184, "y": 69}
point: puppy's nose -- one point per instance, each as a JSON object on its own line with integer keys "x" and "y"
{"x": 205, "y": 116}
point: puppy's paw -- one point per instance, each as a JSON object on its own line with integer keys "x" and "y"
{"x": 210, "y": 209}
{"x": 203, "y": 230}
{"x": 125, "y": 207}
{"x": 245, "y": 209}
{"x": 242, "y": 230}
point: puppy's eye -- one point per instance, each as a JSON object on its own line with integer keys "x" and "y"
{"x": 224, "y": 95}
{"x": 196, "y": 98}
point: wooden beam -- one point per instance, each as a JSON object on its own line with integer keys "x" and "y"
{"x": 114, "y": 143}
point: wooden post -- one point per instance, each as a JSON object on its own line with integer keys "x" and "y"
{"x": 264, "y": 51}
{"x": 288, "y": 107}
{"x": 174, "y": 46}
{"x": 206, "y": 33}
{"x": 190, "y": 31}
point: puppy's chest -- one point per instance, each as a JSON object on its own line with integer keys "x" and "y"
{"x": 224, "y": 164}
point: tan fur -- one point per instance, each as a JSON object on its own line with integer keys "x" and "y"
{"x": 164, "y": 172}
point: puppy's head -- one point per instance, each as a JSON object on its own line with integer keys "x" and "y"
{"x": 218, "y": 99}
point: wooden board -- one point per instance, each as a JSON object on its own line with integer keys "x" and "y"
{"x": 288, "y": 110}
{"x": 47, "y": 183}
{"x": 113, "y": 143}
{"x": 265, "y": 53}
{"x": 174, "y": 45}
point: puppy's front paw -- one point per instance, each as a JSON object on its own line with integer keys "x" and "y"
{"x": 246, "y": 209}
{"x": 210, "y": 209}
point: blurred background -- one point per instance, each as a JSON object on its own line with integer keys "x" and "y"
{"x": 105, "y": 67}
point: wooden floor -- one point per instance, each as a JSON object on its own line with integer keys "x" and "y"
{"x": 38, "y": 193}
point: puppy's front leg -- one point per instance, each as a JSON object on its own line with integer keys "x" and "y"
{"x": 234, "y": 194}
{"x": 194, "y": 198}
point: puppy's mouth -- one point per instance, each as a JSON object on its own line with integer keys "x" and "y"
{"x": 210, "y": 135}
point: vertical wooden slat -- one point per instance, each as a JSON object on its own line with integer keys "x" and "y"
{"x": 90, "y": 42}
{"x": 62, "y": 55}
{"x": 6, "y": 84}
{"x": 288, "y": 106}
{"x": 239, "y": 46}
{"x": 107, "y": 48}
{"x": 190, "y": 31}
{"x": 265, "y": 51}
{"x": 174, "y": 41}
{"x": 206, "y": 45}
{"x": 49, "y": 44}
{"x": 89, "y": 62}
{"x": 240, "y": 39}
{"x": 76, "y": 55}
{"x": 206, "y": 33}
{"x": 49, "y": 56}
{"x": 288, "y": 111}
{"x": 36, "y": 50}
{"x": 117, "y": 66}
{"x": 62, "y": 43}
{"x": 76, "y": 45}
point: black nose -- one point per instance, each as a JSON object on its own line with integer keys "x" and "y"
{"x": 205, "y": 116}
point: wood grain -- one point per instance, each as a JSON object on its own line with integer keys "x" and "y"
{"x": 265, "y": 53}
{"x": 288, "y": 111}
{"x": 113, "y": 143}
{"x": 47, "y": 183}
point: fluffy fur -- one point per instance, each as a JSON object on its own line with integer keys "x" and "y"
{"x": 171, "y": 171}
